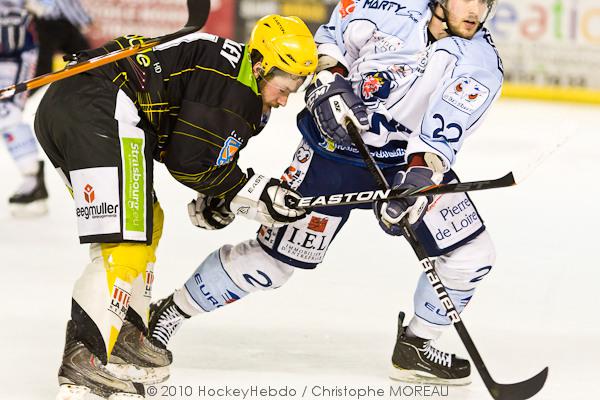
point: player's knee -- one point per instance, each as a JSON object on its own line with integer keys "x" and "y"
{"x": 125, "y": 260}
{"x": 252, "y": 269}
{"x": 465, "y": 267}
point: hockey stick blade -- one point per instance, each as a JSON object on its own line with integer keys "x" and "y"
{"x": 198, "y": 11}
{"x": 500, "y": 391}
{"x": 369, "y": 196}
{"x": 518, "y": 391}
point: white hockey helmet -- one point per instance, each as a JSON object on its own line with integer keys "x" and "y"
{"x": 491, "y": 6}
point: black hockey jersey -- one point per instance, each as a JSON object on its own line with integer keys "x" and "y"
{"x": 202, "y": 100}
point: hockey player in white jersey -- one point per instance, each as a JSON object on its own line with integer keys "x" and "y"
{"x": 18, "y": 58}
{"x": 417, "y": 78}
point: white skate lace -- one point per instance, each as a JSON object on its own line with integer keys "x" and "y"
{"x": 169, "y": 321}
{"x": 437, "y": 356}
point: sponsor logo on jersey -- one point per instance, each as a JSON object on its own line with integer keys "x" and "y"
{"x": 230, "y": 147}
{"x": 375, "y": 85}
{"x": 134, "y": 188}
{"x": 291, "y": 176}
{"x": 120, "y": 300}
{"x": 307, "y": 240}
{"x": 317, "y": 224}
{"x": 102, "y": 210}
{"x": 96, "y": 195}
{"x": 88, "y": 193}
{"x": 396, "y": 8}
{"x": 347, "y": 7}
{"x": 148, "y": 281}
{"x": 303, "y": 154}
{"x": 466, "y": 94}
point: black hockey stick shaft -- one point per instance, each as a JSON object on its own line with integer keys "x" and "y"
{"x": 515, "y": 391}
{"x": 368, "y": 196}
{"x": 198, "y": 11}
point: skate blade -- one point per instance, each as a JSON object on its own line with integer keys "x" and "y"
{"x": 421, "y": 377}
{"x": 36, "y": 208}
{"x": 145, "y": 375}
{"x": 72, "y": 392}
{"x": 124, "y": 396}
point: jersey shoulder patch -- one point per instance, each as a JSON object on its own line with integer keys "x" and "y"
{"x": 467, "y": 94}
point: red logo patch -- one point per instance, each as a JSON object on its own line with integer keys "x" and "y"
{"x": 318, "y": 224}
{"x": 346, "y": 7}
{"x": 88, "y": 193}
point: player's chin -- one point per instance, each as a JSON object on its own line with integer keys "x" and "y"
{"x": 468, "y": 29}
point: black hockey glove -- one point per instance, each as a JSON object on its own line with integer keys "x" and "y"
{"x": 209, "y": 212}
{"x": 332, "y": 102}
{"x": 266, "y": 200}
{"x": 390, "y": 213}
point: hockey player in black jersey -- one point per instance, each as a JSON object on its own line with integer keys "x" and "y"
{"x": 192, "y": 104}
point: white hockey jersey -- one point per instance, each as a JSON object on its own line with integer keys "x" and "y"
{"x": 420, "y": 97}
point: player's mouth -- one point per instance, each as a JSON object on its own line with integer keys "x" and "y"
{"x": 471, "y": 25}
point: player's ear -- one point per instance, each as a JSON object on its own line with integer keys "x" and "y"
{"x": 258, "y": 69}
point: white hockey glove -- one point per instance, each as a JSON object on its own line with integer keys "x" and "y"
{"x": 209, "y": 212}
{"x": 331, "y": 101}
{"x": 390, "y": 213}
{"x": 263, "y": 199}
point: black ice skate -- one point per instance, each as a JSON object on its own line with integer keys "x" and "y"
{"x": 415, "y": 360}
{"x": 82, "y": 372}
{"x": 136, "y": 359}
{"x": 165, "y": 319}
{"x": 30, "y": 199}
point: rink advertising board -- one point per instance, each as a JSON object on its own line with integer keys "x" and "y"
{"x": 113, "y": 18}
{"x": 550, "y": 48}
{"x": 313, "y": 12}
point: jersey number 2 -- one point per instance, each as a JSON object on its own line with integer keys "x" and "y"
{"x": 439, "y": 132}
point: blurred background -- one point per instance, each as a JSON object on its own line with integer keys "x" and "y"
{"x": 550, "y": 48}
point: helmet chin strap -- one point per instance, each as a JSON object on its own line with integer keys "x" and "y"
{"x": 443, "y": 19}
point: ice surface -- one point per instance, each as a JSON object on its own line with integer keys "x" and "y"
{"x": 335, "y": 326}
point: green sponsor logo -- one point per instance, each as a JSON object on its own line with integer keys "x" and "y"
{"x": 135, "y": 186}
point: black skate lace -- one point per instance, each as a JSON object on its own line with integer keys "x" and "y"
{"x": 168, "y": 322}
{"x": 437, "y": 356}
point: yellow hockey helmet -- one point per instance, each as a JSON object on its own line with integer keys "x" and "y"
{"x": 285, "y": 43}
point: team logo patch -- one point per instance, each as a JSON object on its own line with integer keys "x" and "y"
{"x": 466, "y": 94}
{"x": 375, "y": 86}
{"x": 347, "y": 7}
{"x": 230, "y": 147}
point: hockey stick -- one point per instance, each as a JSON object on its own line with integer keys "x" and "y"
{"x": 197, "y": 15}
{"x": 369, "y": 196}
{"x": 513, "y": 391}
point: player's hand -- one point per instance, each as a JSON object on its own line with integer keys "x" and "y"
{"x": 209, "y": 212}
{"x": 267, "y": 201}
{"x": 390, "y": 213}
{"x": 332, "y": 102}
